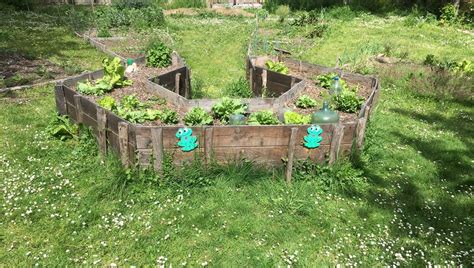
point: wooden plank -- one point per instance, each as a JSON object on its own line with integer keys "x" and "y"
{"x": 170, "y": 96}
{"x": 288, "y": 95}
{"x": 144, "y": 141}
{"x": 113, "y": 142}
{"x": 336, "y": 143}
{"x": 79, "y": 113}
{"x": 349, "y": 133}
{"x": 69, "y": 94}
{"x": 250, "y": 136}
{"x": 60, "y": 99}
{"x": 208, "y": 137}
{"x": 291, "y": 154}
{"x": 71, "y": 111}
{"x": 317, "y": 155}
{"x": 123, "y": 143}
{"x": 157, "y": 144}
{"x": 279, "y": 78}
{"x": 101, "y": 127}
{"x": 113, "y": 121}
{"x": 275, "y": 89}
{"x": 89, "y": 107}
{"x": 89, "y": 121}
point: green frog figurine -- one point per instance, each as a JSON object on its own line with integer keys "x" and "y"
{"x": 187, "y": 142}
{"x": 313, "y": 139}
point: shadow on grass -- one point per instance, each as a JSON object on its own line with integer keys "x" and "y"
{"x": 409, "y": 194}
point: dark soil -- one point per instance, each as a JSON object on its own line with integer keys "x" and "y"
{"x": 17, "y": 70}
{"x": 138, "y": 88}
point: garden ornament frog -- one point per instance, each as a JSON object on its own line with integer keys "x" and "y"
{"x": 187, "y": 142}
{"x": 313, "y": 139}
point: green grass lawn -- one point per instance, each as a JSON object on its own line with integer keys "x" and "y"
{"x": 61, "y": 205}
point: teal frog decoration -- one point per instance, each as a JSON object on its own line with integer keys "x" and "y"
{"x": 313, "y": 139}
{"x": 187, "y": 142}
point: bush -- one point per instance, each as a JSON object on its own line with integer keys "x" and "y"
{"x": 158, "y": 54}
{"x": 449, "y": 15}
{"x": 197, "y": 116}
{"x": 239, "y": 88}
{"x": 282, "y": 12}
{"x": 128, "y": 4}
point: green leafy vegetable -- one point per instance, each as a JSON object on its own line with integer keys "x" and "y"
{"x": 347, "y": 101}
{"x": 227, "y": 107}
{"x": 60, "y": 127}
{"x": 263, "y": 118}
{"x": 108, "y": 103}
{"x": 114, "y": 76}
{"x": 326, "y": 80}
{"x": 197, "y": 116}
{"x": 168, "y": 116}
{"x": 158, "y": 55}
{"x": 306, "y": 102}
{"x": 294, "y": 118}
{"x": 277, "y": 66}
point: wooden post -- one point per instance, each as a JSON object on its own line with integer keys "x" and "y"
{"x": 101, "y": 125}
{"x": 264, "y": 78}
{"x": 177, "y": 79}
{"x": 187, "y": 88}
{"x": 208, "y": 139}
{"x": 291, "y": 153}
{"x": 300, "y": 67}
{"x": 77, "y": 103}
{"x": 293, "y": 81}
{"x": 123, "y": 143}
{"x": 337, "y": 136}
{"x": 157, "y": 142}
{"x": 60, "y": 99}
{"x": 360, "y": 130}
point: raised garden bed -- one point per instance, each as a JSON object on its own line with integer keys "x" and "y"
{"x": 146, "y": 145}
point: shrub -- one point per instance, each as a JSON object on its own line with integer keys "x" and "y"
{"x": 239, "y": 88}
{"x": 158, "y": 54}
{"x": 197, "y": 116}
{"x": 282, "y": 12}
{"x": 227, "y": 107}
{"x": 277, "y": 66}
{"x": 306, "y": 102}
{"x": 127, "y": 4}
{"x": 294, "y": 118}
{"x": 263, "y": 118}
{"x": 187, "y": 4}
{"x": 449, "y": 15}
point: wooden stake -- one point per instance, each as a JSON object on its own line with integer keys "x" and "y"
{"x": 157, "y": 142}
{"x": 123, "y": 143}
{"x": 360, "y": 130}
{"x": 208, "y": 139}
{"x": 187, "y": 87}
{"x": 337, "y": 136}
{"x": 77, "y": 103}
{"x": 101, "y": 124}
{"x": 60, "y": 99}
{"x": 291, "y": 154}
{"x": 176, "y": 82}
